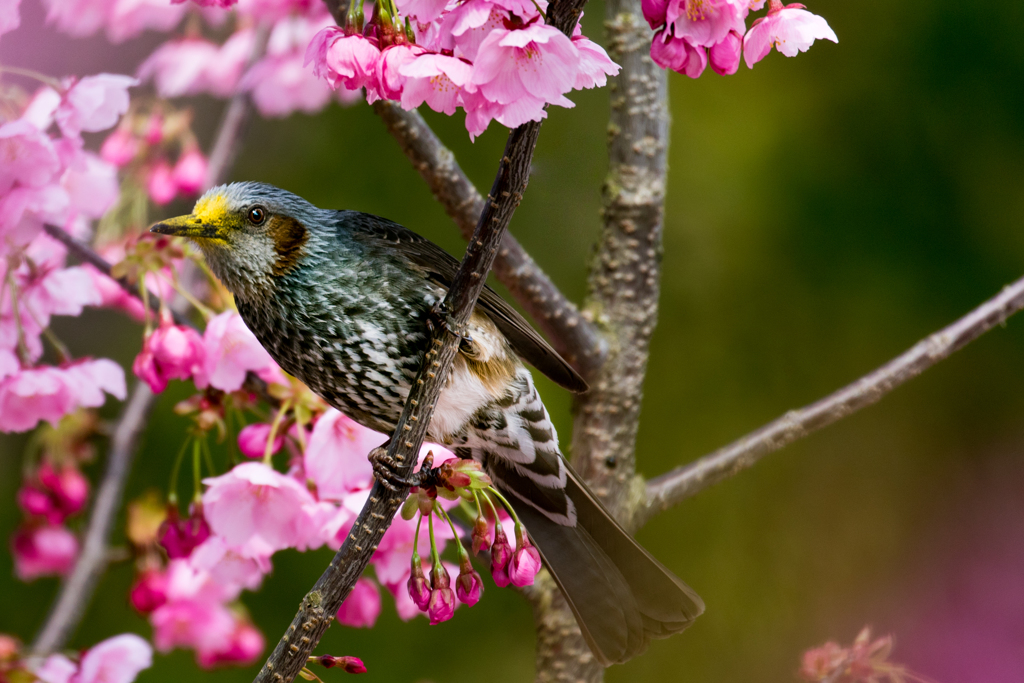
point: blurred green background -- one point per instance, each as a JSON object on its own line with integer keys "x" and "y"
{"x": 824, "y": 213}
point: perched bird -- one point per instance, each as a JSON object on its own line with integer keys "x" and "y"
{"x": 341, "y": 300}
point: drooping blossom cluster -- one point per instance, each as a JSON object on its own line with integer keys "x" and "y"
{"x": 691, "y": 34}
{"x": 866, "y": 661}
{"x": 496, "y": 59}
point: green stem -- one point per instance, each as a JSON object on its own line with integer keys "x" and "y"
{"x": 494, "y": 511}
{"x": 197, "y": 474}
{"x": 416, "y": 538}
{"x": 172, "y": 494}
{"x": 435, "y": 558}
{"x": 208, "y": 456}
{"x": 269, "y": 450}
{"x": 505, "y": 503}
{"x": 458, "y": 541}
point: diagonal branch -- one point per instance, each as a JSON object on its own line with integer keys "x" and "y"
{"x": 574, "y": 336}
{"x": 319, "y": 607}
{"x": 683, "y": 482}
{"x": 78, "y": 589}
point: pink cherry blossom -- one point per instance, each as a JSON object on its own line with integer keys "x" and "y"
{"x": 790, "y": 30}
{"x": 91, "y": 184}
{"x": 362, "y": 606}
{"x": 258, "y": 511}
{"x": 94, "y": 103}
{"x": 280, "y": 85}
{"x": 501, "y": 554}
{"x": 724, "y": 56}
{"x": 441, "y": 606}
{"x": 115, "y": 660}
{"x": 335, "y": 458}
{"x": 180, "y": 536}
{"x": 252, "y": 440}
{"x": 538, "y": 61}
{"x": 56, "y": 669}
{"x": 30, "y": 159}
{"x": 169, "y": 352}
{"x": 435, "y": 79}
{"x": 160, "y": 182}
{"x": 189, "y": 172}
{"x": 192, "y": 623}
{"x": 595, "y": 64}
{"x": 43, "y": 551}
{"x": 348, "y": 60}
{"x": 179, "y": 67}
{"x": 10, "y": 19}
{"x": 678, "y": 54}
{"x": 123, "y": 19}
{"x": 232, "y": 351}
{"x": 244, "y": 646}
{"x": 390, "y": 81}
{"x": 227, "y": 567}
{"x": 149, "y": 591}
{"x": 525, "y": 564}
{"x": 654, "y": 12}
{"x": 468, "y": 586}
{"x": 66, "y": 486}
{"x": 120, "y": 147}
{"x": 704, "y": 23}
{"x": 49, "y": 393}
{"x": 36, "y": 502}
{"x": 423, "y": 10}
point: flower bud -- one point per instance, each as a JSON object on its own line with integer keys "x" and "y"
{"x": 149, "y": 591}
{"x": 352, "y": 665}
{"x": 442, "y": 599}
{"x": 252, "y": 440}
{"x": 501, "y": 553}
{"x": 468, "y": 586}
{"x": 189, "y": 172}
{"x": 179, "y": 537}
{"x": 525, "y": 562}
{"x": 419, "y": 588}
{"x": 69, "y": 488}
{"x": 481, "y": 534}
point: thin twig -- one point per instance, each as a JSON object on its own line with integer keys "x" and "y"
{"x": 320, "y": 605}
{"x": 683, "y": 482}
{"x": 75, "y": 592}
{"x": 571, "y": 334}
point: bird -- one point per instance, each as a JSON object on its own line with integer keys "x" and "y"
{"x": 342, "y": 300}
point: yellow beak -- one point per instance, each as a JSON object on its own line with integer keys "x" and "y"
{"x": 188, "y": 226}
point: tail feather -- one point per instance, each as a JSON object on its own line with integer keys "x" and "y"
{"x": 621, "y": 596}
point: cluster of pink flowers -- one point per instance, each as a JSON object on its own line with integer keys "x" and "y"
{"x": 866, "y": 661}
{"x": 51, "y": 178}
{"x": 690, "y": 34}
{"x": 496, "y": 59}
{"x": 114, "y": 660}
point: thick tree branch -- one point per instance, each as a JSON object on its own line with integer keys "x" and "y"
{"x": 676, "y": 486}
{"x": 574, "y": 337}
{"x": 624, "y": 284}
{"x": 319, "y": 607}
{"x": 78, "y": 588}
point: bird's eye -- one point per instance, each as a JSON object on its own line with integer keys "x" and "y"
{"x": 257, "y": 215}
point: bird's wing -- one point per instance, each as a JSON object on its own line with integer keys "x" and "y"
{"x": 440, "y": 266}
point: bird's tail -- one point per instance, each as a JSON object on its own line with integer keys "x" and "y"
{"x": 622, "y": 597}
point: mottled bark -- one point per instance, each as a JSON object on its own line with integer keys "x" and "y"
{"x": 623, "y": 302}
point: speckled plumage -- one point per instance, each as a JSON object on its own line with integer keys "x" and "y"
{"x": 340, "y": 299}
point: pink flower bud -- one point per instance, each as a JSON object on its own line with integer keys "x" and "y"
{"x": 252, "y": 440}
{"x": 419, "y": 588}
{"x": 190, "y": 172}
{"x": 38, "y": 503}
{"x": 43, "y": 551}
{"x": 468, "y": 586}
{"x": 362, "y": 606}
{"x": 179, "y": 537}
{"x": 725, "y": 55}
{"x": 481, "y": 534}
{"x": 351, "y": 665}
{"x": 120, "y": 147}
{"x": 442, "y": 599}
{"x": 149, "y": 591}
{"x": 68, "y": 487}
{"x": 160, "y": 183}
{"x": 170, "y": 352}
{"x": 501, "y": 554}
{"x": 525, "y": 561}
{"x": 155, "y": 130}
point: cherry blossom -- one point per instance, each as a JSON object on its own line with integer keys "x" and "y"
{"x": 10, "y": 18}
{"x": 189, "y": 174}
{"x": 252, "y": 440}
{"x": 49, "y": 393}
{"x": 43, "y": 550}
{"x": 362, "y": 606}
{"x": 232, "y": 351}
{"x": 348, "y": 60}
{"x": 790, "y": 30}
{"x": 149, "y": 591}
{"x": 123, "y": 19}
{"x": 169, "y": 352}
{"x": 114, "y": 660}
{"x": 335, "y": 458}
{"x": 94, "y": 103}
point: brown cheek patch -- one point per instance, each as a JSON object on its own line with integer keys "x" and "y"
{"x": 289, "y": 236}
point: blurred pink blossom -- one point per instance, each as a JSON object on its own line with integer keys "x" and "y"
{"x": 10, "y": 18}
{"x": 115, "y": 660}
{"x": 228, "y": 567}
{"x": 790, "y": 29}
{"x": 94, "y": 103}
{"x": 50, "y": 393}
{"x": 44, "y": 550}
{"x": 160, "y": 182}
{"x": 252, "y": 440}
{"x": 244, "y": 645}
{"x": 149, "y": 591}
{"x": 336, "y": 456}
{"x": 232, "y": 351}
{"x": 189, "y": 172}
{"x": 169, "y": 352}
{"x": 362, "y": 606}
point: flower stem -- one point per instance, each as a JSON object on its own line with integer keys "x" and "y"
{"x": 458, "y": 541}
{"x": 435, "y": 558}
{"x": 29, "y": 73}
{"x": 504, "y": 502}
{"x": 172, "y": 493}
{"x": 269, "y": 449}
{"x": 197, "y": 475}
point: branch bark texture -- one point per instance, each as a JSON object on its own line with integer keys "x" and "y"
{"x": 623, "y": 300}
{"x": 681, "y": 483}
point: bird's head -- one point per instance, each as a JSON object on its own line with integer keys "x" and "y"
{"x": 251, "y": 233}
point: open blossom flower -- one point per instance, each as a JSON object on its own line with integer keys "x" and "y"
{"x": 123, "y": 19}
{"x": 192, "y": 623}
{"x": 335, "y": 458}
{"x": 435, "y": 79}
{"x": 43, "y": 551}
{"x": 704, "y": 23}
{"x": 790, "y": 30}
{"x": 595, "y": 64}
{"x": 348, "y": 60}
{"x": 538, "y": 62}
{"x": 94, "y": 103}
{"x": 170, "y": 352}
{"x": 244, "y": 646}
{"x": 362, "y": 606}
{"x": 232, "y": 351}
{"x": 10, "y": 18}
{"x": 677, "y": 54}
{"x": 182, "y": 67}
{"x": 258, "y": 511}
{"x": 228, "y": 567}
{"x": 114, "y": 660}
{"x": 50, "y": 393}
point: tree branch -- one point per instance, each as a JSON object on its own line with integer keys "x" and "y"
{"x": 319, "y": 607}
{"x": 676, "y": 486}
{"x": 624, "y": 284}
{"x": 574, "y": 336}
{"x": 76, "y": 591}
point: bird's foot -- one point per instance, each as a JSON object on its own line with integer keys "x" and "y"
{"x": 441, "y": 318}
{"x": 384, "y": 467}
